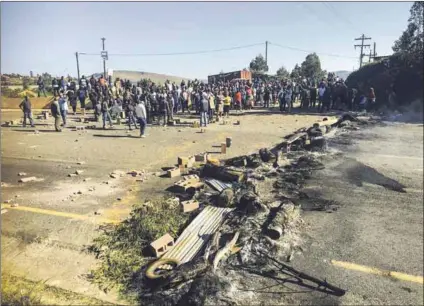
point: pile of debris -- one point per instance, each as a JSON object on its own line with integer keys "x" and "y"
{"x": 243, "y": 221}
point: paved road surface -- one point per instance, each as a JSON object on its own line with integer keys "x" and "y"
{"x": 374, "y": 226}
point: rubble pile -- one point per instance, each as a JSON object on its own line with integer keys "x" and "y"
{"x": 244, "y": 224}
{"x": 261, "y": 190}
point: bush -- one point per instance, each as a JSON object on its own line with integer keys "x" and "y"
{"x": 121, "y": 247}
{"x": 10, "y": 93}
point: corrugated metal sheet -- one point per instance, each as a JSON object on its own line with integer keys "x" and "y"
{"x": 197, "y": 234}
{"x": 218, "y": 185}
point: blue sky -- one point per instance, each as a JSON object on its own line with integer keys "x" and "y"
{"x": 43, "y": 36}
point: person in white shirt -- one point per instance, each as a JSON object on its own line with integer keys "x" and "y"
{"x": 321, "y": 92}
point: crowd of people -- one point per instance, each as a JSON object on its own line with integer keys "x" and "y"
{"x": 148, "y": 103}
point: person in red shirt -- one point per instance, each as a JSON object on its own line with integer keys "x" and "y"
{"x": 371, "y": 99}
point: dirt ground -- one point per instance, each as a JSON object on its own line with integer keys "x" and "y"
{"x": 44, "y": 237}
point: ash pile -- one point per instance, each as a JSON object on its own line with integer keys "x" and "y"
{"x": 245, "y": 228}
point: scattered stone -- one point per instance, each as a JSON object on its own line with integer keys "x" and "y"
{"x": 22, "y": 174}
{"x": 98, "y": 212}
{"x": 68, "y": 167}
{"x": 81, "y": 163}
{"x": 118, "y": 199}
{"x": 71, "y": 175}
{"x": 14, "y": 205}
{"x": 17, "y": 196}
{"x": 79, "y": 192}
{"x": 7, "y": 201}
{"x": 27, "y": 179}
{"x": 91, "y": 189}
{"x": 78, "y": 172}
{"x": 87, "y": 179}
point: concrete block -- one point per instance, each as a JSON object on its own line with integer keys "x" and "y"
{"x": 191, "y": 161}
{"x": 174, "y": 172}
{"x": 228, "y": 141}
{"x": 183, "y": 169}
{"x": 27, "y": 179}
{"x": 182, "y": 161}
{"x": 223, "y": 148}
{"x": 79, "y": 128}
{"x": 191, "y": 177}
{"x": 201, "y": 158}
{"x": 190, "y": 205}
{"x": 162, "y": 245}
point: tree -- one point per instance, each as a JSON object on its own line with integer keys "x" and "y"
{"x": 258, "y": 64}
{"x": 296, "y": 73}
{"x": 283, "y": 73}
{"x": 411, "y": 42}
{"x": 311, "y": 66}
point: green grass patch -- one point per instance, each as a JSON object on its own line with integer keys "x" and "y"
{"x": 122, "y": 248}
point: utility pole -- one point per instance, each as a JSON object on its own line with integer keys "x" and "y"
{"x": 266, "y": 53}
{"x": 362, "y": 39}
{"x": 375, "y": 52}
{"x": 104, "y": 58}
{"x": 78, "y": 71}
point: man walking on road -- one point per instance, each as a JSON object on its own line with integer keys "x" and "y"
{"x": 63, "y": 106}
{"x": 55, "y": 109}
{"x": 140, "y": 113}
{"x": 204, "y": 110}
{"x": 41, "y": 87}
{"x": 25, "y": 106}
{"x": 105, "y": 114}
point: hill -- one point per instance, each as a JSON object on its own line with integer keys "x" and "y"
{"x": 343, "y": 74}
{"x": 135, "y": 76}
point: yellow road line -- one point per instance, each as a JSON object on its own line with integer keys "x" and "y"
{"x": 376, "y": 271}
{"x": 59, "y": 213}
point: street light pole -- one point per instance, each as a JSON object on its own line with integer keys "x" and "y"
{"x": 104, "y": 60}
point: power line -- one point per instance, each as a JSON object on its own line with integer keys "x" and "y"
{"x": 333, "y": 10}
{"x": 177, "y": 53}
{"x": 309, "y": 51}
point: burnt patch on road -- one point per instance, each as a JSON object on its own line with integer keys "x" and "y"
{"x": 359, "y": 173}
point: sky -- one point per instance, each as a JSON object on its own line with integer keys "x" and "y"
{"x": 44, "y": 36}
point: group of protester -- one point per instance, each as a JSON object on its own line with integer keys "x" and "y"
{"x": 148, "y": 103}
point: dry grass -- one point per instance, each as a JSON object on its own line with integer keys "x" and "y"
{"x": 18, "y": 291}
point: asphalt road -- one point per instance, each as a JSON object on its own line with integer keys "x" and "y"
{"x": 377, "y": 224}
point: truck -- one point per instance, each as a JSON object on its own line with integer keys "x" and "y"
{"x": 228, "y": 76}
